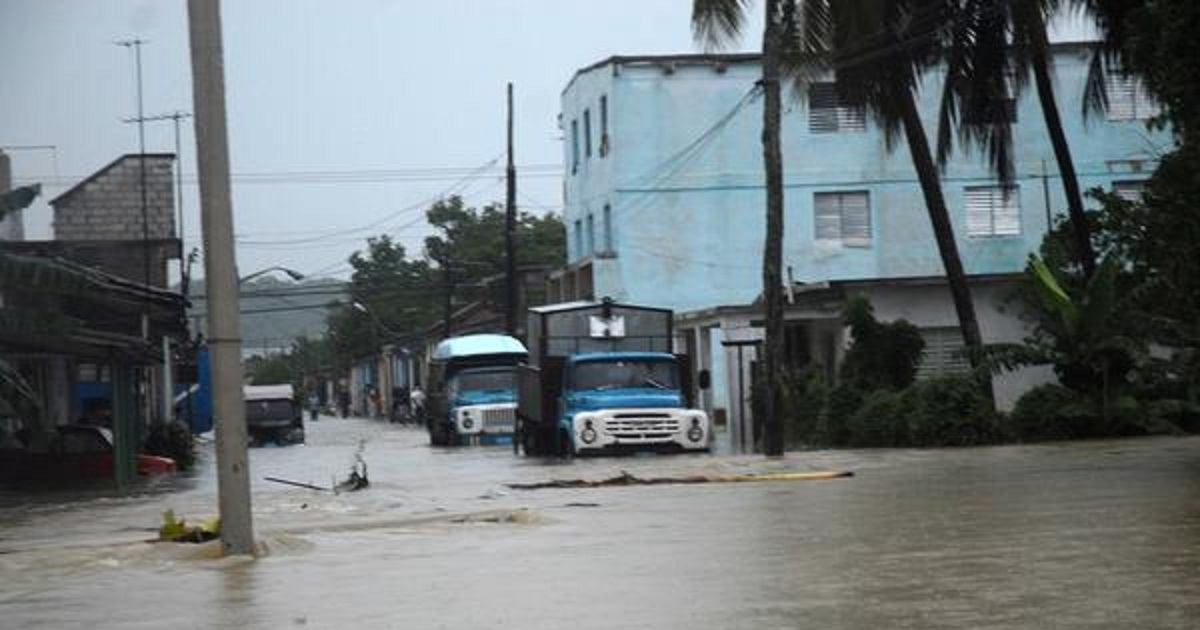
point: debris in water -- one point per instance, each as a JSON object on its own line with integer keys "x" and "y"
{"x": 358, "y": 476}
{"x": 626, "y": 479}
{"x": 298, "y": 484}
{"x": 177, "y": 530}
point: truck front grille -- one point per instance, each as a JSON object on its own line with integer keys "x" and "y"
{"x": 642, "y": 427}
{"x": 499, "y": 420}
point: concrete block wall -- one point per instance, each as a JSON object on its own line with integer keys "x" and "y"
{"x": 108, "y": 205}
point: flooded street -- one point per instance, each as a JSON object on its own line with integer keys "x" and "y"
{"x": 1088, "y": 535}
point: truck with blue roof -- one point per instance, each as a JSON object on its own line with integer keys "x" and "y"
{"x": 601, "y": 377}
{"x": 472, "y": 395}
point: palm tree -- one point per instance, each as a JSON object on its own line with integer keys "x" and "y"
{"x": 992, "y": 46}
{"x": 716, "y": 23}
{"x": 880, "y": 50}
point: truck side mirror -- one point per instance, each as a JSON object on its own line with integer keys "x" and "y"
{"x": 704, "y": 379}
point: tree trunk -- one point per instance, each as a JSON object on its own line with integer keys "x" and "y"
{"x": 1062, "y": 151}
{"x": 943, "y": 232}
{"x": 772, "y": 348}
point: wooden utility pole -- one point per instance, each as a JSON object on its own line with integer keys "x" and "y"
{"x": 510, "y": 230}
{"x": 220, "y": 274}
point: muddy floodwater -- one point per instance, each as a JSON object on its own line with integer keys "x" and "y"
{"x": 1085, "y": 535}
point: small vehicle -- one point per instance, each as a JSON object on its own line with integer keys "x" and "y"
{"x": 273, "y": 415}
{"x": 77, "y": 451}
{"x": 473, "y": 397}
{"x": 601, "y": 378}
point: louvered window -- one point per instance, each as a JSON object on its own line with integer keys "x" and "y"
{"x": 844, "y": 217}
{"x": 827, "y": 113}
{"x": 1128, "y": 98}
{"x": 1131, "y": 190}
{"x": 993, "y": 211}
{"x": 943, "y": 353}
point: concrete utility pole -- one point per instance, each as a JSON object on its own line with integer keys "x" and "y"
{"x": 510, "y": 229}
{"x": 220, "y": 266}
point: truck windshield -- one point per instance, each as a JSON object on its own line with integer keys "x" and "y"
{"x": 614, "y": 374}
{"x": 479, "y": 381}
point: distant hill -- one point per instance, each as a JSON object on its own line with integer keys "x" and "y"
{"x": 274, "y": 312}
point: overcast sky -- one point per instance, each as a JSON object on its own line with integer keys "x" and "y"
{"x": 352, "y": 88}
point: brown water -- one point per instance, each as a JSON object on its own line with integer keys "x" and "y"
{"x": 1089, "y": 535}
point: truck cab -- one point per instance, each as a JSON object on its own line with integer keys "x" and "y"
{"x": 273, "y": 415}
{"x": 628, "y": 399}
{"x": 602, "y": 378}
{"x": 473, "y": 395}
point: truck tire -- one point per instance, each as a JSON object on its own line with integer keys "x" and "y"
{"x": 565, "y": 446}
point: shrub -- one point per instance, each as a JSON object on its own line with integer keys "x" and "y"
{"x": 883, "y": 354}
{"x": 881, "y": 420}
{"x": 805, "y": 395}
{"x": 842, "y": 402}
{"x": 174, "y": 440}
{"x": 950, "y": 411}
{"x": 1053, "y": 412}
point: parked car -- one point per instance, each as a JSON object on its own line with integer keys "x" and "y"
{"x": 87, "y": 451}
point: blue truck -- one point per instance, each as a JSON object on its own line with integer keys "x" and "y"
{"x": 602, "y": 378}
{"x": 472, "y": 397}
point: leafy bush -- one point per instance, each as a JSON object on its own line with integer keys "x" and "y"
{"x": 840, "y": 405}
{"x": 804, "y": 397}
{"x": 1053, "y": 412}
{"x": 174, "y": 440}
{"x": 881, "y": 421}
{"x": 950, "y": 411}
{"x": 883, "y": 355}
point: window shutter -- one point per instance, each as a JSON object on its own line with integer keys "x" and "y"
{"x": 942, "y": 354}
{"x": 1006, "y": 214}
{"x": 979, "y": 211}
{"x": 856, "y": 219}
{"x": 822, "y": 108}
{"x": 1130, "y": 190}
{"x": 827, "y": 220}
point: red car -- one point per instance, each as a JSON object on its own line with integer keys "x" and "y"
{"x": 87, "y": 451}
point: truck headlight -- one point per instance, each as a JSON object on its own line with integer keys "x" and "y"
{"x": 588, "y": 435}
{"x": 695, "y": 432}
{"x": 467, "y": 422}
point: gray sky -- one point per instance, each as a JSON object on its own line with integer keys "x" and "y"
{"x": 353, "y": 87}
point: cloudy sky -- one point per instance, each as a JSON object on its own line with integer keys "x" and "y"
{"x": 342, "y": 115}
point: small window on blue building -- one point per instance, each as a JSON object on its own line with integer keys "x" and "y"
{"x": 1130, "y": 190}
{"x": 1128, "y": 97}
{"x": 578, "y": 238}
{"x": 574, "y": 146}
{"x": 993, "y": 210}
{"x": 603, "y": 125}
{"x": 828, "y": 114}
{"x": 587, "y": 133}
{"x": 591, "y": 234}
{"x": 843, "y": 217}
{"x": 608, "y": 229}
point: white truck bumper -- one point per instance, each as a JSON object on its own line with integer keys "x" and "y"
{"x": 686, "y": 428}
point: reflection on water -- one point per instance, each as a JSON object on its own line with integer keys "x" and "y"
{"x": 1059, "y": 536}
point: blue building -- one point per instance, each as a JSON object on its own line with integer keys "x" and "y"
{"x": 664, "y": 203}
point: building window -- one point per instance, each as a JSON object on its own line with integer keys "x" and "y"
{"x": 608, "y": 229}
{"x": 943, "y": 353}
{"x": 1130, "y": 190}
{"x": 1128, "y": 98}
{"x": 828, "y": 114}
{"x": 591, "y": 234}
{"x": 993, "y": 210}
{"x": 587, "y": 133}
{"x": 578, "y": 238}
{"x": 603, "y": 125}
{"x": 574, "y": 146}
{"x": 844, "y": 217}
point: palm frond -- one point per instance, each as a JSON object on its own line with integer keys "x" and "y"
{"x": 717, "y": 24}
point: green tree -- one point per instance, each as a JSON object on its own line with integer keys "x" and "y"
{"x": 880, "y": 50}
{"x": 992, "y": 46}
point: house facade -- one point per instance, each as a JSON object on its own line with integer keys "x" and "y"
{"x": 664, "y": 200}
